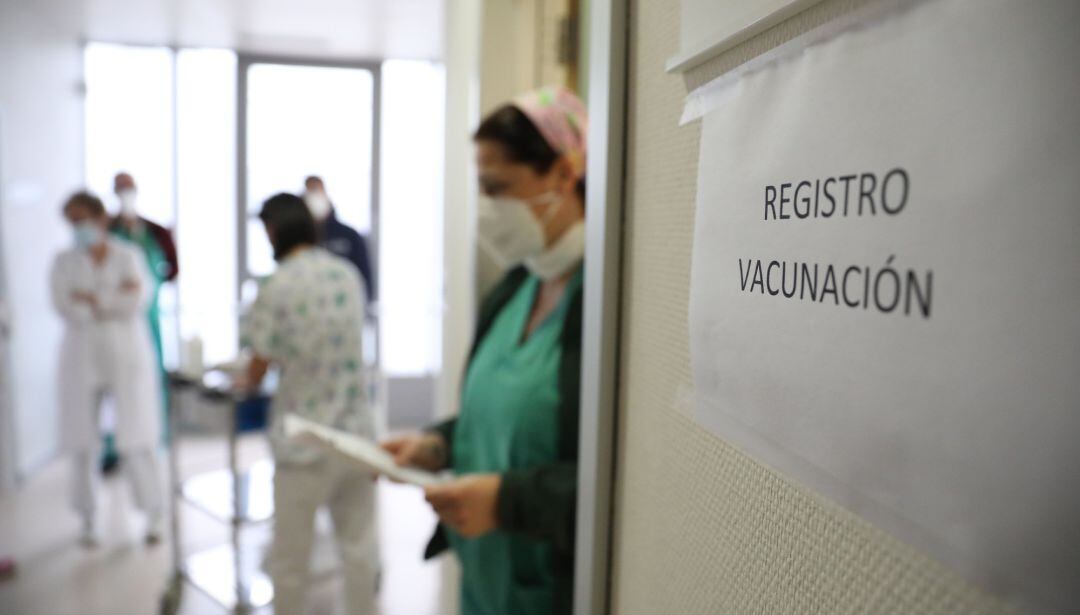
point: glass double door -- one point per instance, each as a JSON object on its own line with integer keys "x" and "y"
{"x": 302, "y": 120}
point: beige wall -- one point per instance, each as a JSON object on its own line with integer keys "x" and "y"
{"x": 521, "y": 44}
{"x": 700, "y": 528}
{"x": 509, "y": 64}
{"x": 519, "y": 53}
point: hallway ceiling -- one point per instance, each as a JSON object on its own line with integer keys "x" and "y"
{"x": 335, "y": 29}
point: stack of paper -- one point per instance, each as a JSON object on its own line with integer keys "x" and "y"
{"x": 360, "y": 450}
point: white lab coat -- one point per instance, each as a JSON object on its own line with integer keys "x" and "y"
{"x": 108, "y": 352}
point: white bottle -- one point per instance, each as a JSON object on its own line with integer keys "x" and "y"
{"x": 191, "y": 363}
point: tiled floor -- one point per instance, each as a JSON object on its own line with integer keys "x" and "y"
{"x": 122, "y": 576}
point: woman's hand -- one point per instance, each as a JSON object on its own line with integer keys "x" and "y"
{"x": 420, "y": 450}
{"x": 467, "y": 504}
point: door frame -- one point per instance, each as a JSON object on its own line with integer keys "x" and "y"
{"x": 244, "y": 61}
{"x": 606, "y": 172}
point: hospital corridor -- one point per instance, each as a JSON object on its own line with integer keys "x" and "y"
{"x": 539, "y": 307}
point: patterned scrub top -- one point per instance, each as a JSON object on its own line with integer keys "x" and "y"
{"x": 308, "y": 320}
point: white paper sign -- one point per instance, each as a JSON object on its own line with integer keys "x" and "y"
{"x": 885, "y": 300}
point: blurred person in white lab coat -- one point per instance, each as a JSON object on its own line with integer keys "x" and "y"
{"x": 100, "y": 289}
{"x": 307, "y": 321}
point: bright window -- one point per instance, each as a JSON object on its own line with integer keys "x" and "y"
{"x": 206, "y": 170}
{"x": 129, "y": 112}
{"x": 410, "y": 247}
{"x": 305, "y": 120}
{"x": 130, "y": 118}
{"x": 129, "y": 127}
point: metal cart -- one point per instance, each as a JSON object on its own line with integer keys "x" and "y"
{"x": 236, "y": 498}
{"x": 230, "y": 574}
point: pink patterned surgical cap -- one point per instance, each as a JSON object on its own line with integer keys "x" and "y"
{"x": 562, "y": 120}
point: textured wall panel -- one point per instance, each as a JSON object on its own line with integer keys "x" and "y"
{"x": 701, "y": 528}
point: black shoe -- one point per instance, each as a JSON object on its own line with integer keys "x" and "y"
{"x": 110, "y": 464}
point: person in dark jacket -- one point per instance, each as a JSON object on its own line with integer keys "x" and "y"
{"x": 338, "y": 237}
{"x": 509, "y": 513}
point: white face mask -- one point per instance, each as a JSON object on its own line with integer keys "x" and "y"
{"x": 565, "y": 254}
{"x": 87, "y": 235}
{"x": 509, "y": 230}
{"x": 317, "y": 204}
{"x": 127, "y": 202}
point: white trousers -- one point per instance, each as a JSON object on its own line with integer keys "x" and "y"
{"x": 140, "y": 466}
{"x": 299, "y": 490}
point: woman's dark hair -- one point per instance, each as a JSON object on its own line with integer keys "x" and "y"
{"x": 291, "y": 222}
{"x": 87, "y": 201}
{"x": 521, "y": 141}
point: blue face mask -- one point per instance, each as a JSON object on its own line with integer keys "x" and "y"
{"x": 87, "y": 235}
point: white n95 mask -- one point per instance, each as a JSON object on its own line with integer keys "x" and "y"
{"x": 127, "y": 202}
{"x": 509, "y": 231}
{"x": 564, "y": 255}
{"x": 317, "y": 204}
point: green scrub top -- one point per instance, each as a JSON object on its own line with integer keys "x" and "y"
{"x": 509, "y": 419}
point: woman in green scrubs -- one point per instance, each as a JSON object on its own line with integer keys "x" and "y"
{"x": 509, "y": 514}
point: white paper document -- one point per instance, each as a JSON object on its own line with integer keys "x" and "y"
{"x": 885, "y": 295}
{"x": 358, "y": 449}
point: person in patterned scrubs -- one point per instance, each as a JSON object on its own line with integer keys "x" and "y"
{"x": 307, "y": 322}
